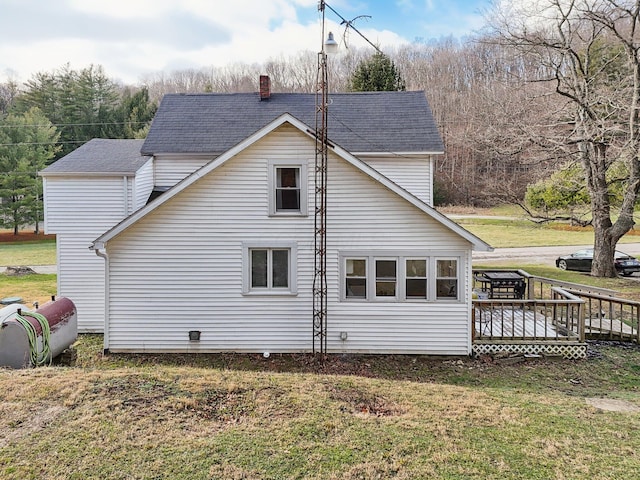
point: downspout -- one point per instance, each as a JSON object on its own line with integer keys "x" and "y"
{"x": 101, "y": 252}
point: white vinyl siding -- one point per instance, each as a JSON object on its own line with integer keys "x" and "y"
{"x": 143, "y": 185}
{"x": 85, "y": 204}
{"x": 412, "y": 174}
{"x": 81, "y": 279}
{"x": 171, "y": 169}
{"x": 180, "y": 268}
{"x": 78, "y": 210}
{"x": 363, "y": 216}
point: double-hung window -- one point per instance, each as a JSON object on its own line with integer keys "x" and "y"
{"x": 269, "y": 270}
{"x": 287, "y": 188}
{"x": 446, "y": 278}
{"x": 386, "y": 278}
{"x": 416, "y": 278}
{"x": 356, "y": 278}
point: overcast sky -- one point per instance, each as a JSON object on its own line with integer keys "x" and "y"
{"x": 131, "y": 38}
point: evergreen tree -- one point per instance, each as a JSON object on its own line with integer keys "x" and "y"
{"x": 86, "y": 104}
{"x": 136, "y": 112}
{"x": 28, "y": 142}
{"x": 376, "y": 74}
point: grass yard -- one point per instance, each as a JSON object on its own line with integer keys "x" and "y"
{"x": 229, "y": 416}
{"x": 291, "y": 416}
{"x": 30, "y": 288}
{"x": 522, "y": 233}
{"x": 40, "y": 252}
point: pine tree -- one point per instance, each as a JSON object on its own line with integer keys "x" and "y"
{"x": 376, "y": 74}
{"x": 28, "y": 142}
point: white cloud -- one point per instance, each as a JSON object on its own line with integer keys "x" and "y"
{"x": 132, "y": 38}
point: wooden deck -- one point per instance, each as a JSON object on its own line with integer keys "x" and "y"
{"x": 606, "y": 326}
{"x": 514, "y": 323}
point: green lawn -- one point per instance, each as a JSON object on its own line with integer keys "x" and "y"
{"x": 522, "y": 233}
{"x": 28, "y": 253}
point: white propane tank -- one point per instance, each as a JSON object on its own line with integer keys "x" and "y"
{"x": 15, "y": 347}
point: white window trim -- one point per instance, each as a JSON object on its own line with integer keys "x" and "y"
{"x": 246, "y": 268}
{"x": 374, "y": 295}
{"x": 435, "y": 278}
{"x": 304, "y": 187}
{"x": 431, "y": 257}
{"x": 403, "y": 273}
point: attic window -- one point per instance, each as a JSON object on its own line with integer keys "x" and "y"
{"x": 287, "y": 188}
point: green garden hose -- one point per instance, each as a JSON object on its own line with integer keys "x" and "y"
{"x": 37, "y": 357}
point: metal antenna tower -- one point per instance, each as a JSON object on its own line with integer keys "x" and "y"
{"x": 320, "y": 218}
{"x": 321, "y": 161}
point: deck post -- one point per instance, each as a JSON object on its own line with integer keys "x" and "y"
{"x": 581, "y": 317}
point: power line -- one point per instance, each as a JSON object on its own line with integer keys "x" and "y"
{"x": 42, "y": 143}
{"x": 26, "y": 125}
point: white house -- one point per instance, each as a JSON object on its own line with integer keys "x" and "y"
{"x": 86, "y": 193}
{"x": 225, "y": 246}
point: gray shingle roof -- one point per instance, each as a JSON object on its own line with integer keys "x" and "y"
{"x": 358, "y": 122}
{"x": 104, "y": 156}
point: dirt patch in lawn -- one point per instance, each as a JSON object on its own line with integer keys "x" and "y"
{"x": 613, "y": 405}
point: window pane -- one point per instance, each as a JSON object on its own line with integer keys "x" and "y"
{"x": 288, "y": 177}
{"x": 417, "y": 268}
{"x": 356, "y": 268}
{"x": 447, "y": 268}
{"x": 259, "y": 268}
{"x": 385, "y": 289}
{"x": 386, "y": 269}
{"x": 356, "y": 288}
{"x": 287, "y": 199}
{"x": 447, "y": 288}
{"x": 280, "y": 265}
{"x": 417, "y": 288}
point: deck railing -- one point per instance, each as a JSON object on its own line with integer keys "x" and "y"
{"x": 558, "y": 319}
{"x": 541, "y": 287}
{"x": 610, "y": 318}
{"x": 554, "y": 310}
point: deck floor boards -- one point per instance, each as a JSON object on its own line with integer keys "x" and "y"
{"x": 514, "y": 323}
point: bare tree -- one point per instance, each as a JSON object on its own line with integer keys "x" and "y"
{"x": 589, "y": 49}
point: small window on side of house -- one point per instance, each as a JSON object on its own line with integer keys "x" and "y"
{"x": 269, "y": 270}
{"x": 287, "y": 188}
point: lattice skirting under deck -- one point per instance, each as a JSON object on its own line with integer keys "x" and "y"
{"x": 570, "y": 352}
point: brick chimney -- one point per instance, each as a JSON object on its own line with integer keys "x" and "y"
{"x": 265, "y": 87}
